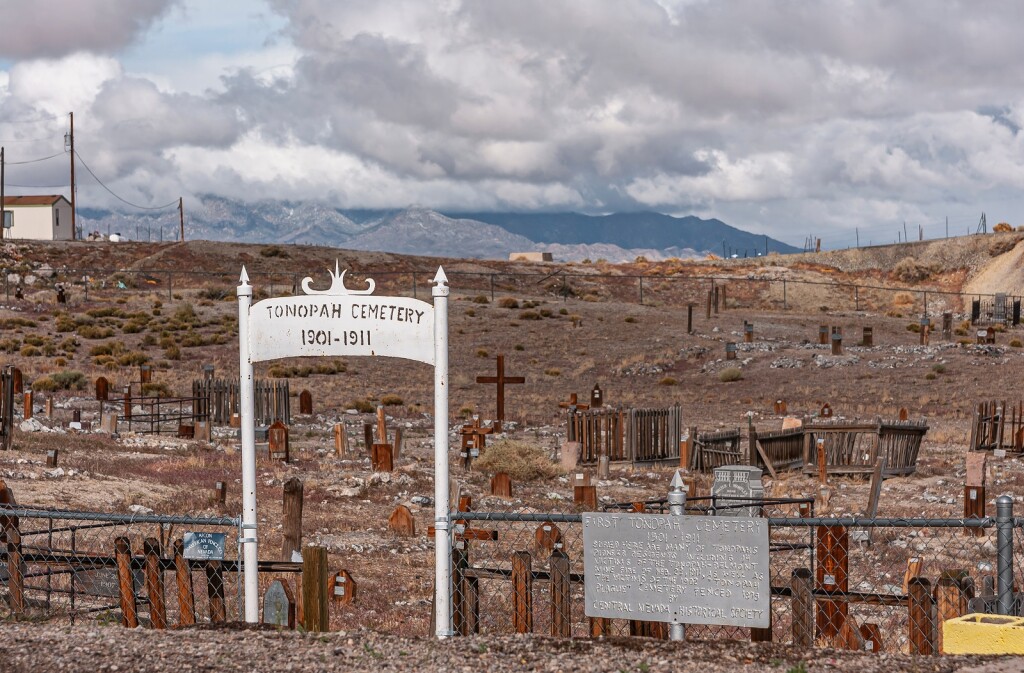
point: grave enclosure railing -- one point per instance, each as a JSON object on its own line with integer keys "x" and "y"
{"x": 218, "y": 400}
{"x": 631, "y": 435}
{"x": 881, "y": 584}
{"x": 128, "y": 569}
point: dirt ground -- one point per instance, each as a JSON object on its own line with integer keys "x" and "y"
{"x": 640, "y": 355}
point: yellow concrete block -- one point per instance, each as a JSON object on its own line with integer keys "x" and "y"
{"x": 983, "y": 634}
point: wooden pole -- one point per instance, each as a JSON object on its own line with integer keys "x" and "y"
{"x": 522, "y": 592}
{"x": 922, "y": 628}
{"x": 215, "y": 592}
{"x": 314, "y": 589}
{"x": 16, "y": 581}
{"x": 561, "y": 595}
{"x": 186, "y": 595}
{"x": 126, "y": 583}
{"x": 155, "y": 584}
{"x": 802, "y": 585}
{"x": 291, "y": 519}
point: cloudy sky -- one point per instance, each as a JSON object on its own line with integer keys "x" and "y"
{"x": 787, "y": 117}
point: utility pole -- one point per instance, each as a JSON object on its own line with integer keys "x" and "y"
{"x": 69, "y": 140}
{"x": 947, "y": 226}
{"x": 857, "y": 229}
{"x": 905, "y": 238}
{"x": 181, "y": 220}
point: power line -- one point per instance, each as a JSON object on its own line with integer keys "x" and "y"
{"x": 11, "y": 184}
{"x": 133, "y": 205}
{"x": 33, "y": 161}
{"x": 30, "y": 121}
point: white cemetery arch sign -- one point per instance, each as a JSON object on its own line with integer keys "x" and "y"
{"x": 342, "y": 322}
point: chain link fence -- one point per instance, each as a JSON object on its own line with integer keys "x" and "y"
{"x": 883, "y": 585}
{"x": 131, "y": 569}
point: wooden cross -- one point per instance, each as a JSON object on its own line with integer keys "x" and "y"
{"x": 473, "y": 437}
{"x": 501, "y": 380}
{"x": 572, "y": 404}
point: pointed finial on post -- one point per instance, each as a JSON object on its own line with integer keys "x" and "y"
{"x": 677, "y": 496}
{"x": 243, "y": 289}
{"x": 440, "y": 282}
{"x": 677, "y": 482}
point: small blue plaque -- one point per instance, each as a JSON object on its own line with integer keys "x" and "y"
{"x": 204, "y": 546}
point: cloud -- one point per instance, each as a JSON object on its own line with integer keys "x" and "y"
{"x": 779, "y": 117}
{"x": 55, "y": 28}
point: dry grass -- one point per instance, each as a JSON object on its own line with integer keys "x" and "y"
{"x": 522, "y": 460}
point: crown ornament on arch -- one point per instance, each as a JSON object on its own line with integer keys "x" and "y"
{"x": 337, "y": 284}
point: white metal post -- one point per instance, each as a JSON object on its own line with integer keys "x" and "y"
{"x": 250, "y": 556}
{"x": 677, "y": 507}
{"x": 442, "y": 541}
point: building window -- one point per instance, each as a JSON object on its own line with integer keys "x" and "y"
{"x": 8, "y": 219}
{"x": 57, "y": 212}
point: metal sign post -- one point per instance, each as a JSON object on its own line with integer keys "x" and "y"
{"x": 342, "y": 322}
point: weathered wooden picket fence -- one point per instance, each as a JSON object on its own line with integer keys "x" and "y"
{"x": 219, "y": 400}
{"x": 998, "y": 425}
{"x": 629, "y": 435}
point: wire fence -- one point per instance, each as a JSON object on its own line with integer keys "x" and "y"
{"x": 709, "y": 294}
{"x": 130, "y": 569}
{"x": 883, "y": 585}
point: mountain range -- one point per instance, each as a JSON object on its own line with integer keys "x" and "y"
{"x": 568, "y": 236}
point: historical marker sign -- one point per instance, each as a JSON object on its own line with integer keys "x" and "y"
{"x": 679, "y": 569}
{"x": 204, "y": 546}
{"x": 737, "y": 485}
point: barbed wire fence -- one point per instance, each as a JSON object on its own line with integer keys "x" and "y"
{"x": 707, "y": 294}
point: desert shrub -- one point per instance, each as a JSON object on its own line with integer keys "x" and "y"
{"x": 69, "y": 345}
{"x": 156, "y": 390}
{"x": 193, "y": 339}
{"x": 481, "y": 299}
{"x": 363, "y": 406}
{"x": 213, "y": 294}
{"x": 105, "y": 348}
{"x": 172, "y": 352}
{"x": 10, "y": 345}
{"x": 508, "y": 302}
{"x": 13, "y": 323}
{"x": 913, "y": 327}
{"x": 563, "y": 311}
{"x": 529, "y": 315}
{"x": 481, "y": 352}
{"x": 960, "y": 331}
{"x": 69, "y": 380}
{"x": 64, "y": 323}
{"x": 668, "y": 381}
{"x": 931, "y": 376}
{"x": 133, "y": 358}
{"x": 29, "y": 352}
{"x": 545, "y": 313}
{"x": 519, "y": 347}
{"x": 273, "y": 251}
{"x": 336, "y": 367}
{"x": 148, "y": 340}
{"x": 1001, "y": 228}
{"x": 630, "y": 319}
{"x": 530, "y": 304}
{"x": 49, "y": 349}
{"x": 133, "y": 327}
{"x": 95, "y": 332}
{"x": 391, "y": 400}
{"x": 105, "y": 312}
{"x": 522, "y": 460}
{"x": 44, "y": 384}
{"x": 903, "y": 299}
{"x": 553, "y": 371}
{"x": 1015, "y": 343}
{"x": 60, "y": 362}
{"x": 34, "y": 340}
{"x": 185, "y": 314}
{"x": 731, "y": 374}
{"x": 470, "y": 312}
{"x": 939, "y": 368}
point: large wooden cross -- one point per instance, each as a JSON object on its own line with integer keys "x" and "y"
{"x": 501, "y": 380}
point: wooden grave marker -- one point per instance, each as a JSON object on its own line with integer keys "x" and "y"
{"x": 780, "y": 407}
{"x": 340, "y": 440}
{"x": 837, "y": 340}
{"x": 145, "y": 373}
{"x": 748, "y": 332}
{"x": 904, "y": 414}
{"x": 277, "y": 441}
{"x": 381, "y": 458}
{"x": 48, "y": 407}
{"x": 501, "y": 381}
{"x": 832, "y": 574}
{"x": 343, "y": 589}
{"x": 306, "y": 403}
{"x": 401, "y": 522}
{"x": 501, "y": 485}
{"x": 583, "y": 492}
{"x": 19, "y": 381}
{"x": 868, "y": 338}
{"x": 974, "y": 489}
{"x": 279, "y": 605}
{"x": 102, "y": 389}
{"x": 822, "y": 335}
{"x": 220, "y": 493}
{"x": 547, "y": 537}
{"x": 825, "y": 411}
{"x": 474, "y": 440}
{"x": 51, "y": 458}
{"x": 596, "y": 397}
{"x": 27, "y": 399}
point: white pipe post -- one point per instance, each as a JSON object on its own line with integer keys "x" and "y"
{"x": 677, "y": 507}
{"x": 442, "y": 541}
{"x": 250, "y": 556}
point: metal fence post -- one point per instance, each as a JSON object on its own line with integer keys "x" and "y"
{"x": 1004, "y": 542}
{"x": 676, "y": 507}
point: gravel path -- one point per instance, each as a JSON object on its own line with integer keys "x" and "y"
{"x": 37, "y": 648}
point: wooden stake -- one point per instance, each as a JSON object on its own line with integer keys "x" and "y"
{"x": 561, "y": 596}
{"x": 314, "y": 589}
{"x": 183, "y": 577}
{"x": 155, "y": 584}
{"x": 291, "y": 519}
{"x": 16, "y": 580}
{"x": 522, "y": 592}
{"x": 215, "y": 592}
{"x": 126, "y": 582}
